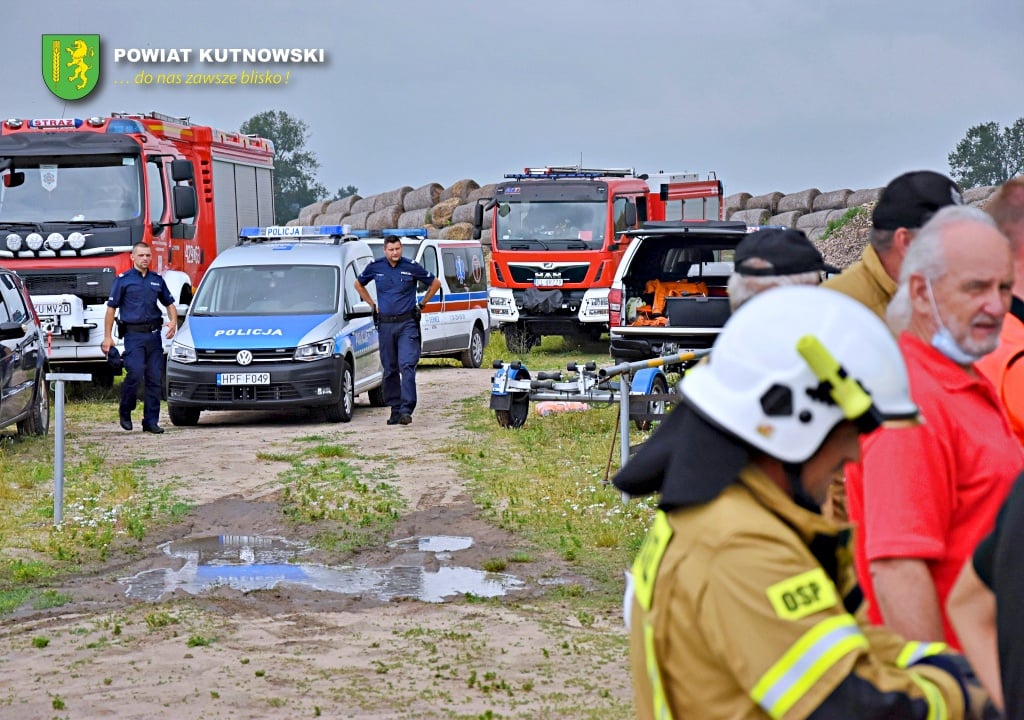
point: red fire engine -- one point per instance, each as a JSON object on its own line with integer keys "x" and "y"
{"x": 556, "y": 241}
{"x": 77, "y": 194}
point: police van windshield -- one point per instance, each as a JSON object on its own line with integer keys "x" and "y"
{"x": 74, "y": 189}
{"x": 268, "y": 290}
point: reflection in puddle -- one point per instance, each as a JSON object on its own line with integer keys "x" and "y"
{"x": 252, "y": 562}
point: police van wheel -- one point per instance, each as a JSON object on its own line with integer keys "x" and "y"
{"x": 342, "y": 410}
{"x": 473, "y": 357}
{"x": 183, "y": 416}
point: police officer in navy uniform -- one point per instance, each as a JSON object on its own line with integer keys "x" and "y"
{"x": 136, "y": 293}
{"x": 398, "y": 323}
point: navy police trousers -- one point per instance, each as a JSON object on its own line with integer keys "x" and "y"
{"x": 143, "y": 361}
{"x": 399, "y": 354}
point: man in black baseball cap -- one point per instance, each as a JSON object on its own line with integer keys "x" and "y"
{"x": 773, "y": 257}
{"x": 905, "y": 205}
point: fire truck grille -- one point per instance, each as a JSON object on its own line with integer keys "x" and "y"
{"x": 569, "y": 273}
{"x": 93, "y": 286}
{"x": 275, "y": 355}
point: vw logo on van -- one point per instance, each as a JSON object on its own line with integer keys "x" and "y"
{"x": 244, "y": 357}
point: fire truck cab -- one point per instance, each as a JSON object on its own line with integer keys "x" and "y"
{"x": 76, "y": 195}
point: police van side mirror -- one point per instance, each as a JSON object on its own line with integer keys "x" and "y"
{"x": 11, "y": 330}
{"x": 359, "y": 310}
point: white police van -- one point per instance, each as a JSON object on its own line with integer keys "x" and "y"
{"x": 455, "y": 323}
{"x": 276, "y": 323}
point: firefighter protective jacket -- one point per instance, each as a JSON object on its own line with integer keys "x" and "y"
{"x": 737, "y": 614}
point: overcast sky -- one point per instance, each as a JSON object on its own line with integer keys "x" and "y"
{"x": 770, "y": 94}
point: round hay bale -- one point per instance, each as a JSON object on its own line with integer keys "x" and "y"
{"x": 329, "y": 218}
{"x": 458, "y": 231}
{"x": 734, "y": 202}
{"x": 423, "y": 197}
{"x": 460, "y": 189}
{"x": 394, "y": 197}
{"x": 413, "y": 218}
{"x": 384, "y": 219}
{"x": 769, "y": 202}
{"x": 484, "y": 192}
{"x": 293, "y": 223}
{"x": 978, "y": 195}
{"x": 343, "y": 206}
{"x": 752, "y": 216}
{"x": 357, "y": 220}
{"x": 814, "y": 234}
{"x": 363, "y": 205}
{"x": 863, "y": 197}
{"x": 464, "y": 213}
{"x": 831, "y": 200}
{"x": 787, "y": 219}
{"x": 802, "y": 201}
{"x": 441, "y": 214}
{"x": 813, "y": 220}
{"x": 314, "y": 208}
{"x": 434, "y": 233}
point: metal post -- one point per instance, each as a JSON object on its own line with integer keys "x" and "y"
{"x": 624, "y": 423}
{"x": 58, "y": 380}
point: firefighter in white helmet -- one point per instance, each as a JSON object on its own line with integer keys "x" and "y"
{"x": 742, "y": 600}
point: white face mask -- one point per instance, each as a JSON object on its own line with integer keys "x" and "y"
{"x": 943, "y": 340}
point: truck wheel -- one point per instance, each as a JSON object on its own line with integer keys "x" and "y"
{"x": 183, "y": 416}
{"x": 654, "y": 407}
{"x": 38, "y": 420}
{"x": 376, "y": 396}
{"x": 341, "y": 411}
{"x": 473, "y": 356}
{"x": 515, "y": 416}
{"x": 518, "y": 339}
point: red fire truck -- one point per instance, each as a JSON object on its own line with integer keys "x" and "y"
{"x": 557, "y": 239}
{"x": 76, "y": 194}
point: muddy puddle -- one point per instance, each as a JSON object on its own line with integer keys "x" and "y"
{"x": 253, "y": 562}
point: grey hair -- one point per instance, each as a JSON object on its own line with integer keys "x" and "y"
{"x": 743, "y": 287}
{"x": 926, "y": 258}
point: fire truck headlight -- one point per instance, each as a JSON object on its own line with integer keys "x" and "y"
{"x": 76, "y": 240}
{"x": 34, "y": 241}
{"x": 55, "y": 241}
{"x": 13, "y": 242}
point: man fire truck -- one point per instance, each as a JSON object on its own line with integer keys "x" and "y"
{"x": 557, "y": 239}
{"x": 77, "y": 194}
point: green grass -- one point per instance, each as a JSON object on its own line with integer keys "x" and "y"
{"x": 834, "y": 226}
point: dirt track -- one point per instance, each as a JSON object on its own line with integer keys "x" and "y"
{"x": 294, "y": 651}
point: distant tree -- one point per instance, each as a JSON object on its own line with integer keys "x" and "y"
{"x": 345, "y": 192}
{"x": 988, "y": 155}
{"x": 295, "y": 168}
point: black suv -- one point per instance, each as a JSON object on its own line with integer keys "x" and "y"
{"x": 24, "y": 395}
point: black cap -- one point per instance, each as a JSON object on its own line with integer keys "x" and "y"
{"x": 114, "y": 359}
{"x": 790, "y": 252}
{"x": 912, "y": 198}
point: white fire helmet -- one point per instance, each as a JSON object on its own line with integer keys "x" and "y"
{"x": 792, "y": 363}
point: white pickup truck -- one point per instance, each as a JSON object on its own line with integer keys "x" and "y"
{"x": 669, "y": 293}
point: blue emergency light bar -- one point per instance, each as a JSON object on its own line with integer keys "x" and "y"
{"x": 125, "y": 126}
{"x": 291, "y": 231}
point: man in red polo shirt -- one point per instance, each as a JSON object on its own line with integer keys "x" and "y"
{"x": 923, "y": 498}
